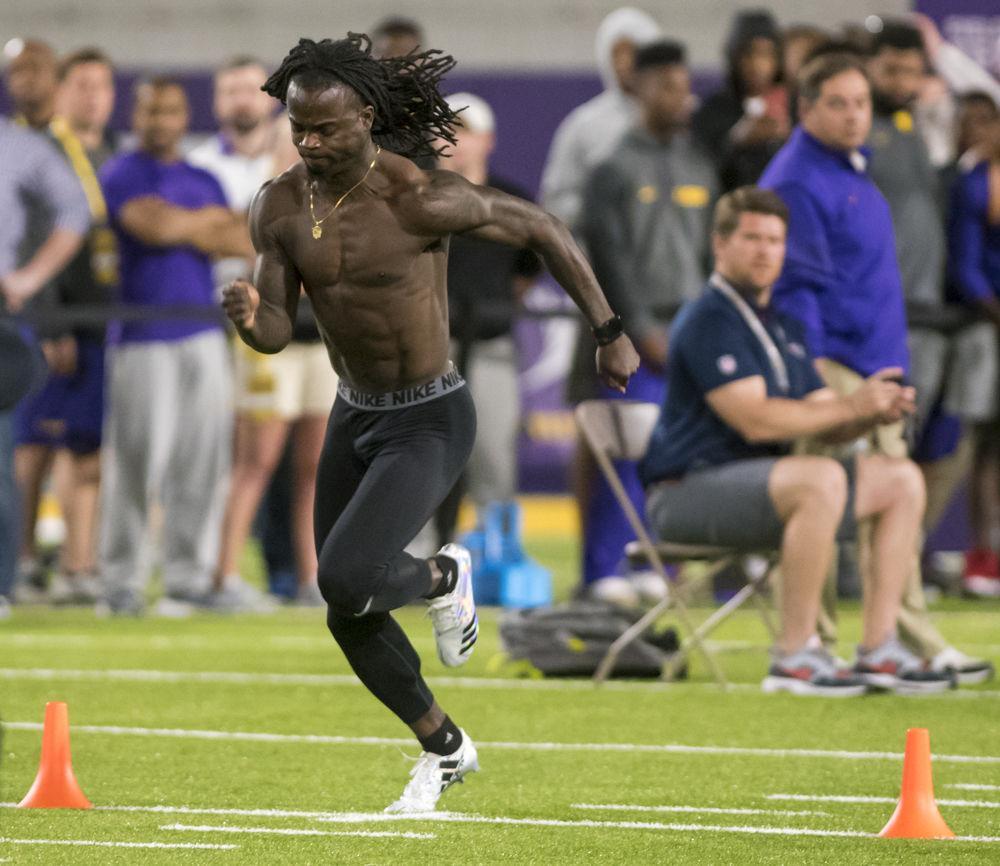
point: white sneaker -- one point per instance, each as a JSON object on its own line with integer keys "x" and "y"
{"x": 308, "y": 595}
{"x": 456, "y": 625}
{"x": 968, "y": 671}
{"x": 652, "y": 588}
{"x": 60, "y": 589}
{"x": 238, "y": 596}
{"x": 614, "y": 590}
{"x": 433, "y": 774}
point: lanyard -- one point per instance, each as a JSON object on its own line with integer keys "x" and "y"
{"x": 759, "y": 331}
{"x": 83, "y": 167}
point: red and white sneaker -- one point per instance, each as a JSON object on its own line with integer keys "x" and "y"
{"x": 812, "y": 671}
{"x": 982, "y": 574}
{"x": 893, "y": 667}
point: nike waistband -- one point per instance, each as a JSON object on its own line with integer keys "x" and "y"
{"x": 443, "y": 384}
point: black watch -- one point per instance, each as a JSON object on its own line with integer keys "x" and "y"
{"x": 610, "y": 331}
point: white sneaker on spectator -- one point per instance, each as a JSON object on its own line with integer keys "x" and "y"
{"x": 238, "y": 596}
{"x": 308, "y": 595}
{"x": 614, "y": 590}
{"x": 433, "y": 775}
{"x": 61, "y": 589}
{"x": 87, "y": 588}
{"x": 650, "y": 587}
{"x": 968, "y": 670}
{"x": 5, "y": 608}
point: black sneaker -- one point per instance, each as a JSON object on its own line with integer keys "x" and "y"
{"x": 894, "y": 667}
{"x": 812, "y": 671}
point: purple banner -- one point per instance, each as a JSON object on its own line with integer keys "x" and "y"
{"x": 972, "y": 25}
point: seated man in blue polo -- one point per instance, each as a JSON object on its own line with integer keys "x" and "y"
{"x": 741, "y": 388}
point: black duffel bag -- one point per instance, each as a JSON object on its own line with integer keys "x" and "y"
{"x": 569, "y": 640}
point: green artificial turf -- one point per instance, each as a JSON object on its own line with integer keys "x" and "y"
{"x": 46, "y": 655}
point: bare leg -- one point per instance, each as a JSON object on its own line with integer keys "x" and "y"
{"x": 308, "y": 436}
{"x": 942, "y": 478}
{"x": 80, "y": 507}
{"x": 258, "y": 449}
{"x": 809, "y": 494}
{"x": 890, "y": 491}
{"x": 31, "y": 463}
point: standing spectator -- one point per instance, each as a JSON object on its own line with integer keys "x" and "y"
{"x": 947, "y": 369}
{"x": 745, "y": 123}
{"x": 485, "y": 283}
{"x": 32, "y": 176}
{"x": 31, "y": 76}
{"x": 168, "y": 422}
{"x": 646, "y": 222}
{"x": 590, "y": 132}
{"x": 276, "y": 395}
{"x": 974, "y": 242}
{"x": 841, "y": 279}
{"x": 62, "y": 422}
{"x": 396, "y": 36}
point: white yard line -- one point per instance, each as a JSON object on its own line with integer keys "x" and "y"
{"x": 655, "y": 748}
{"x": 968, "y": 786}
{"x": 700, "y": 810}
{"x": 461, "y": 818}
{"x": 328, "y": 680}
{"x": 337, "y": 680}
{"x": 98, "y": 844}
{"x": 292, "y": 831}
{"x": 843, "y": 798}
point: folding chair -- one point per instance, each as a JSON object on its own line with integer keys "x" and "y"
{"x": 620, "y": 430}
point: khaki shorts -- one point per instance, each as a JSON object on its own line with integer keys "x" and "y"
{"x": 295, "y": 383}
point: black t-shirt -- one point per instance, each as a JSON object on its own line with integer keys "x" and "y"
{"x": 481, "y": 301}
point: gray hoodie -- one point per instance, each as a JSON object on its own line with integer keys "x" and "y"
{"x": 590, "y": 132}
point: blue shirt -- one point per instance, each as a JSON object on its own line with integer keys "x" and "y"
{"x": 841, "y": 278}
{"x": 712, "y": 345}
{"x": 973, "y": 242}
{"x": 155, "y": 275}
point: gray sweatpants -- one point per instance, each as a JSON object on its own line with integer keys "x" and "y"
{"x": 167, "y": 438}
{"x": 492, "y": 378}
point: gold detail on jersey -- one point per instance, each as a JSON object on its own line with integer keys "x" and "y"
{"x": 691, "y": 195}
{"x": 648, "y": 194}
{"x": 903, "y": 121}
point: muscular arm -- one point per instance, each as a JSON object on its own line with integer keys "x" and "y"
{"x": 448, "y": 204}
{"x": 264, "y": 313}
{"x": 746, "y": 407}
{"x": 451, "y": 205}
{"x": 213, "y": 230}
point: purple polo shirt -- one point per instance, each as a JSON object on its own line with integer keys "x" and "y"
{"x": 153, "y": 275}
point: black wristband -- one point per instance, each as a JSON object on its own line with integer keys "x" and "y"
{"x": 610, "y": 331}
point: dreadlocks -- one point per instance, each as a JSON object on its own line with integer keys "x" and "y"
{"x": 409, "y": 110}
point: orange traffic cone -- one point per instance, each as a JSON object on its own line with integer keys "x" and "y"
{"x": 55, "y": 785}
{"x": 917, "y": 815}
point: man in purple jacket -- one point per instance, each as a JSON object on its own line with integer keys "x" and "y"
{"x": 841, "y": 280}
{"x": 169, "y": 413}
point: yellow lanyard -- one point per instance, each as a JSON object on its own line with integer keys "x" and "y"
{"x": 83, "y": 167}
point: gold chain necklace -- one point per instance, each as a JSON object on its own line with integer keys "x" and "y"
{"x": 317, "y": 229}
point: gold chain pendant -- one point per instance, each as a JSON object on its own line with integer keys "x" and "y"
{"x": 317, "y": 229}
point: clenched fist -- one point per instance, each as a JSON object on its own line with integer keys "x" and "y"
{"x": 616, "y": 362}
{"x": 240, "y": 301}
